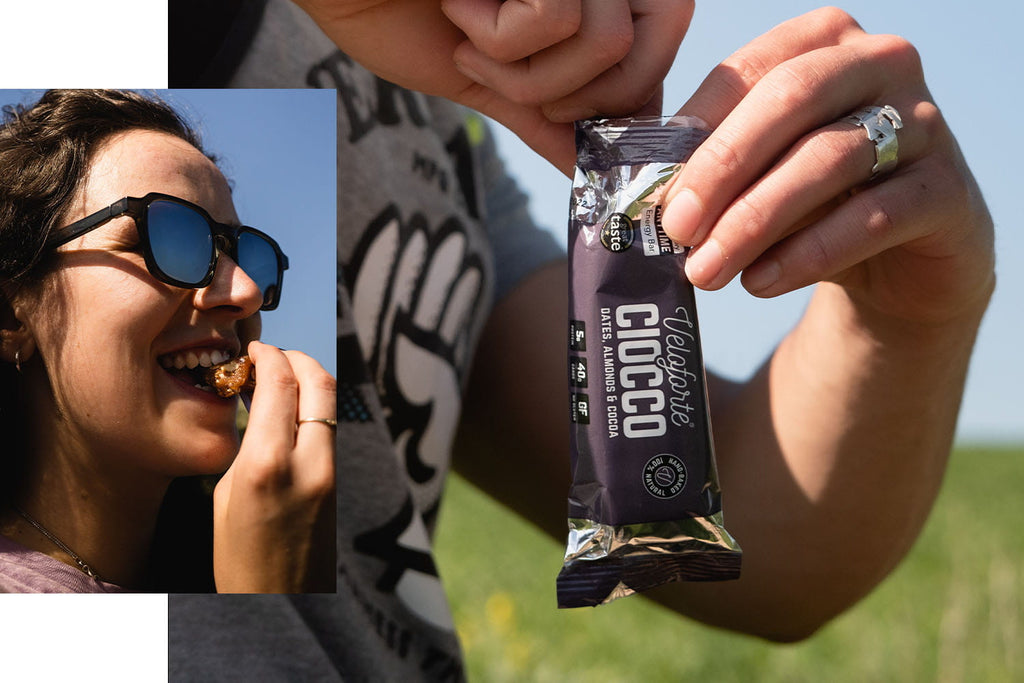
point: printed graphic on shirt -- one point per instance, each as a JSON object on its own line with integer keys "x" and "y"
{"x": 422, "y": 288}
{"x": 418, "y": 290}
{"x": 410, "y": 574}
{"x": 418, "y": 287}
{"x": 365, "y": 100}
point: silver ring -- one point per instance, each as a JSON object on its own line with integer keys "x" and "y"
{"x": 332, "y": 423}
{"x": 881, "y": 124}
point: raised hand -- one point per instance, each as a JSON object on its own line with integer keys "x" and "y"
{"x": 274, "y": 509}
{"x": 532, "y": 65}
{"x": 782, "y": 190}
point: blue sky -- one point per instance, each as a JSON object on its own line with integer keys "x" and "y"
{"x": 972, "y": 57}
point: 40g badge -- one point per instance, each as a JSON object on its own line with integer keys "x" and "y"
{"x": 664, "y": 476}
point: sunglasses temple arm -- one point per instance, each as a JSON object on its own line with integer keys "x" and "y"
{"x": 65, "y": 235}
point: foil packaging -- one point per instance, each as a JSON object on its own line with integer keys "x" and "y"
{"x": 645, "y": 505}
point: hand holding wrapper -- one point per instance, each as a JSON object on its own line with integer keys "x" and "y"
{"x": 645, "y": 505}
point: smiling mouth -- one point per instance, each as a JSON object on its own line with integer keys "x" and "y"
{"x": 194, "y": 366}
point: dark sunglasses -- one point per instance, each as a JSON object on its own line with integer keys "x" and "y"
{"x": 181, "y": 243}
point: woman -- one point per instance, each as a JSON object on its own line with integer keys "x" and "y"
{"x": 108, "y": 306}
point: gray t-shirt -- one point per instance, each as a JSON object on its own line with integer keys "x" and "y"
{"x": 431, "y": 231}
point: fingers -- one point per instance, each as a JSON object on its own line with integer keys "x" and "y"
{"x": 771, "y": 184}
{"x": 612, "y": 64}
{"x": 314, "y": 441}
{"x": 509, "y": 30}
{"x": 731, "y": 81}
{"x": 870, "y": 223}
{"x": 810, "y": 180}
{"x": 632, "y": 87}
{"x": 291, "y": 386}
{"x": 275, "y": 402}
{"x": 801, "y": 95}
{"x": 604, "y": 37}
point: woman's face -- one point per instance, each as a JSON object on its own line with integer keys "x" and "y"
{"x": 106, "y": 329}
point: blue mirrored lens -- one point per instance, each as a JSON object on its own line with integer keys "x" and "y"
{"x": 181, "y": 241}
{"x": 256, "y": 256}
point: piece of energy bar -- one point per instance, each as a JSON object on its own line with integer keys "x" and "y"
{"x": 232, "y": 377}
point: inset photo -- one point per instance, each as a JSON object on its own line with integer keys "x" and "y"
{"x": 167, "y": 341}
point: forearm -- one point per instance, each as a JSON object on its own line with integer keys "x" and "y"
{"x": 830, "y": 459}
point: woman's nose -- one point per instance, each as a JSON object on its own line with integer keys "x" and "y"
{"x": 230, "y": 287}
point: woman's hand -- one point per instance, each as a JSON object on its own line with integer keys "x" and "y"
{"x": 782, "y": 192}
{"x": 274, "y": 511}
{"x": 532, "y": 65}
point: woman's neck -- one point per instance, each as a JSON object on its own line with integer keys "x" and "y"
{"x": 106, "y": 519}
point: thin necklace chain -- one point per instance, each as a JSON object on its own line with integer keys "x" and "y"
{"x": 59, "y": 543}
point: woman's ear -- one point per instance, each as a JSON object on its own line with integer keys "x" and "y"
{"x": 17, "y": 343}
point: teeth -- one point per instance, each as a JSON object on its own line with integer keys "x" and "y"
{"x": 194, "y": 358}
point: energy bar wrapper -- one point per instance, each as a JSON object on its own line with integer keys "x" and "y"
{"x": 645, "y": 505}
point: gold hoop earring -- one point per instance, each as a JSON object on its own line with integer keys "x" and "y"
{"x": 17, "y": 360}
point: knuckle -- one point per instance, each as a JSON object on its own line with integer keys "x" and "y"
{"x": 929, "y": 119}
{"x": 280, "y": 381}
{"x": 816, "y": 256}
{"x": 723, "y": 155}
{"x": 744, "y": 70}
{"x": 560, "y": 20}
{"x": 751, "y": 216}
{"x": 611, "y": 44}
{"x": 325, "y": 382}
{"x": 900, "y": 52}
{"x": 793, "y": 86}
{"x": 877, "y": 220}
{"x": 266, "y": 474}
{"x": 833, "y": 20}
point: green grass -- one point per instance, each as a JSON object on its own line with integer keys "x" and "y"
{"x": 953, "y": 611}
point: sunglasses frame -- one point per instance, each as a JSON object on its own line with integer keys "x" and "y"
{"x": 225, "y": 239}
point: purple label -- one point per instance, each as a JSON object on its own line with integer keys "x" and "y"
{"x": 644, "y": 452}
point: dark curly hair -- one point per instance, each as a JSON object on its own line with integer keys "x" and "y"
{"x": 45, "y": 151}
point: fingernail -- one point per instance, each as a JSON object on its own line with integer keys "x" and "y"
{"x": 761, "y": 276}
{"x": 704, "y": 264}
{"x": 682, "y": 217}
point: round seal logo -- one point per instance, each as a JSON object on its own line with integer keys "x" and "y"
{"x": 617, "y": 233}
{"x": 664, "y": 476}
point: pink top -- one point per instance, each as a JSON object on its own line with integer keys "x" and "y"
{"x": 23, "y": 570}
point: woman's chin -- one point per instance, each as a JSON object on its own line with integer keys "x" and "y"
{"x": 214, "y": 457}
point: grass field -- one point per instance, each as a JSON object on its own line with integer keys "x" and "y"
{"x": 953, "y": 611}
